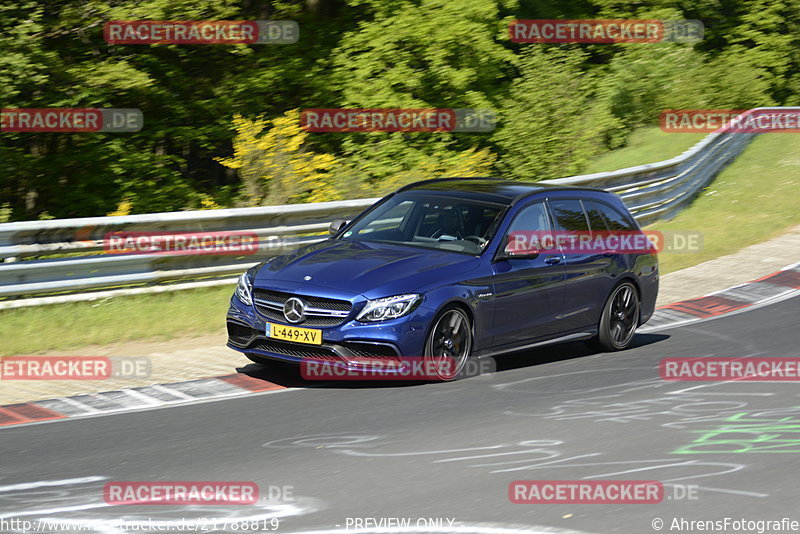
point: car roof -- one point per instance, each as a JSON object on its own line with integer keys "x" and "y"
{"x": 496, "y": 190}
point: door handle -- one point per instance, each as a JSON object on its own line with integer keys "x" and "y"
{"x": 552, "y": 260}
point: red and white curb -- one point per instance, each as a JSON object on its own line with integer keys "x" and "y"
{"x": 773, "y": 287}
{"x": 126, "y": 400}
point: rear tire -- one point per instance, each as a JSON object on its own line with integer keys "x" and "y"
{"x": 619, "y": 320}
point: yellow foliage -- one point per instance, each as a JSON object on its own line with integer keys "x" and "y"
{"x": 207, "y": 203}
{"x": 5, "y": 212}
{"x": 123, "y": 208}
{"x": 275, "y": 166}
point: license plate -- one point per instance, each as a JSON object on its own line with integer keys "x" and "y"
{"x": 309, "y": 336}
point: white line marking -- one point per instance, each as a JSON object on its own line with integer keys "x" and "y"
{"x": 734, "y": 492}
{"x": 400, "y": 454}
{"x": 146, "y": 398}
{"x": 80, "y": 405}
{"x": 644, "y": 383}
{"x": 50, "y": 483}
{"x": 49, "y": 511}
{"x": 122, "y": 411}
{"x": 173, "y": 392}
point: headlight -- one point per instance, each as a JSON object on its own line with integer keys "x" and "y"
{"x": 388, "y": 308}
{"x": 244, "y": 287}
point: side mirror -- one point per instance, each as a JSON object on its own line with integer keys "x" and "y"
{"x": 513, "y": 251}
{"x": 336, "y": 225}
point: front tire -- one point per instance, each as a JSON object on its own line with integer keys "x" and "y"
{"x": 449, "y": 344}
{"x": 619, "y": 319}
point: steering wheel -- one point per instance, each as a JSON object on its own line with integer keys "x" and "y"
{"x": 477, "y": 239}
{"x": 440, "y": 232}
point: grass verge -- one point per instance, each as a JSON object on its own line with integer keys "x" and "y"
{"x": 74, "y": 325}
{"x": 754, "y": 199}
{"x": 646, "y": 145}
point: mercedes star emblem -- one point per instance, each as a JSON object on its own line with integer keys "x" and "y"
{"x": 294, "y": 310}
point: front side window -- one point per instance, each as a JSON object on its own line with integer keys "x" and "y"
{"x": 531, "y": 218}
{"x": 527, "y": 231}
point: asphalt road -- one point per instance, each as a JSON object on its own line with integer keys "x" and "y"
{"x": 449, "y": 451}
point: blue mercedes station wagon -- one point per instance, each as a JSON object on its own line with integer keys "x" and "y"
{"x": 429, "y": 271}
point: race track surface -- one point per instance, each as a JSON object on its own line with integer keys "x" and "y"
{"x": 450, "y": 450}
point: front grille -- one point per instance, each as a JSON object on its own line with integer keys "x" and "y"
{"x": 320, "y": 311}
{"x": 240, "y": 334}
{"x": 314, "y": 302}
{"x": 294, "y": 349}
{"x": 371, "y": 350}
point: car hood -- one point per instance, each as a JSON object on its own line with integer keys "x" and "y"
{"x": 367, "y": 268}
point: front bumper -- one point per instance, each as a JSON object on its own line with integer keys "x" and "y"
{"x": 350, "y": 343}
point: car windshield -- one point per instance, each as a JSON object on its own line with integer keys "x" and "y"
{"x": 434, "y": 221}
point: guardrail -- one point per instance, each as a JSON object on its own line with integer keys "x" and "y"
{"x": 653, "y": 191}
{"x": 93, "y": 268}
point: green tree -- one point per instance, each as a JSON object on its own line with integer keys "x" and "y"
{"x": 419, "y": 54}
{"x": 552, "y": 125}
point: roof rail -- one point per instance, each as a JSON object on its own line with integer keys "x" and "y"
{"x": 432, "y": 180}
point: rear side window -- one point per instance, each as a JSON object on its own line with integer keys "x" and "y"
{"x": 615, "y": 220}
{"x": 596, "y": 219}
{"x": 569, "y": 215}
